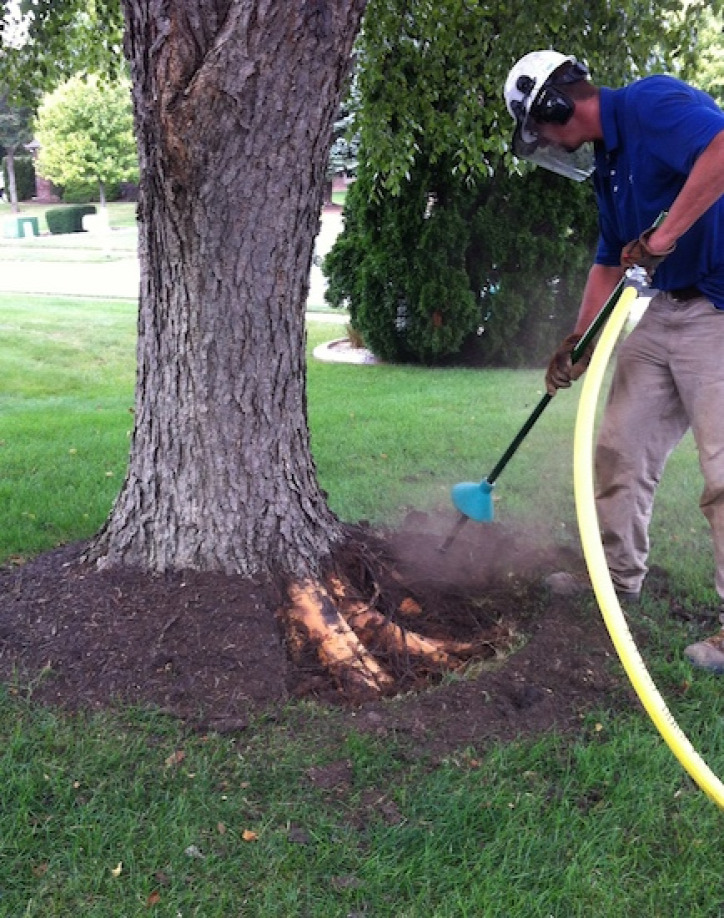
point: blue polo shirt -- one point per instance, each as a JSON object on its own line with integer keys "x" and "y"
{"x": 653, "y": 132}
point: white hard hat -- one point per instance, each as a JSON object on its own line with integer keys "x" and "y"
{"x": 534, "y": 94}
{"x": 527, "y": 77}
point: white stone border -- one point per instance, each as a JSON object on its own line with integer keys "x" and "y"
{"x": 341, "y": 351}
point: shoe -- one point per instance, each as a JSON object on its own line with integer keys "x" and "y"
{"x": 563, "y": 583}
{"x": 709, "y": 653}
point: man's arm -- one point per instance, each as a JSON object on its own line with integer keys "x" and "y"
{"x": 602, "y": 281}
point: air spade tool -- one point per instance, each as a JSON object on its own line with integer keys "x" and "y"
{"x": 474, "y": 500}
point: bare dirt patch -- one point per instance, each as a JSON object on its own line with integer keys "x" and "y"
{"x": 207, "y": 648}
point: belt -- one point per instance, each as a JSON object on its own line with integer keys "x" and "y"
{"x": 684, "y": 294}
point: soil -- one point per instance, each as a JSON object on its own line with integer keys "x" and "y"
{"x": 208, "y": 648}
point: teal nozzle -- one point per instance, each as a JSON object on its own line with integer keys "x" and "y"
{"x": 474, "y": 499}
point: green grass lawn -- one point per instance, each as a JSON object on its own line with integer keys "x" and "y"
{"x": 121, "y": 214}
{"x": 70, "y": 248}
{"x": 66, "y": 396}
{"x": 128, "y": 813}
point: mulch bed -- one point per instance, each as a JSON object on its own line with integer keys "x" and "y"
{"x": 207, "y": 648}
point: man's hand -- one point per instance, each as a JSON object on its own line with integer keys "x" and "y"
{"x": 561, "y": 370}
{"x": 639, "y": 252}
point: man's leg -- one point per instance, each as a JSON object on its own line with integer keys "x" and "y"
{"x": 698, "y": 369}
{"x": 643, "y": 421}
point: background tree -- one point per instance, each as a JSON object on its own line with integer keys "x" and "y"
{"x": 85, "y": 132}
{"x": 343, "y": 154}
{"x": 707, "y": 71}
{"x": 46, "y": 42}
{"x": 438, "y": 200}
{"x": 15, "y": 132}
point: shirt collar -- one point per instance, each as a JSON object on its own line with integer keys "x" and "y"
{"x": 607, "y": 100}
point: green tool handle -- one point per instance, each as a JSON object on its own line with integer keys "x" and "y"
{"x": 578, "y": 351}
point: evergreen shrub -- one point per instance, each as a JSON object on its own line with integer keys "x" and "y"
{"x": 62, "y": 220}
{"x": 445, "y": 272}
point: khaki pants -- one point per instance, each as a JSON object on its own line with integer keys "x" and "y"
{"x": 669, "y": 376}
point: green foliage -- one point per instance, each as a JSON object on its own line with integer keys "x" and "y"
{"x": 45, "y": 42}
{"x": 79, "y": 193}
{"x": 404, "y": 310}
{"x": 493, "y": 270}
{"x": 24, "y": 169}
{"x": 68, "y": 219}
{"x": 490, "y": 271}
{"x": 85, "y": 129}
{"x": 431, "y": 72}
{"x": 707, "y": 70}
{"x": 85, "y": 192}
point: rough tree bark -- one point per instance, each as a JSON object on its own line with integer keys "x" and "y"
{"x": 234, "y": 105}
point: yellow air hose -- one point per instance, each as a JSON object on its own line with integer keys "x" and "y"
{"x": 598, "y": 569}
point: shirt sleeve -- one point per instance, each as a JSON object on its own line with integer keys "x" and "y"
{"x": 608, "y": 251}
{"x": 678, "y": 121}
{"x": 665, "y": 126}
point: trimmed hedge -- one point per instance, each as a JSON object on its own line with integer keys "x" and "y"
{"x": 62, "y": 220}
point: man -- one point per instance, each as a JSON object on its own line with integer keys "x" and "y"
{"x": 655, "y": 145}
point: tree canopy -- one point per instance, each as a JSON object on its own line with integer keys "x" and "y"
{"x": 444, "y": 253}
{"x": 707, "y": 71}
{"x": 432, "y": 71}
{"x": 45, "y": 42}
{"x": 85, "y": 132}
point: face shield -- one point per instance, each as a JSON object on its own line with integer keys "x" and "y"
{"x": 530, "y": 145}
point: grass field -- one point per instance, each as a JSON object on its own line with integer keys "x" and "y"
{"x": 121, "y": 214}
{"x": 127, "y": 813}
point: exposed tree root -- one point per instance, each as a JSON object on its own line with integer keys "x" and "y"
{"x": 377, "y": 631}
{"x": 351, "y": 638}
{"x": 313, "y": 616}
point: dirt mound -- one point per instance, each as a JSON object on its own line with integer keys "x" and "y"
{"x": 207, "y": 647}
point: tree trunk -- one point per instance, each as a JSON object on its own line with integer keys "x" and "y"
{"x": 12, "y": 181}
{"x": 234, "y": 105}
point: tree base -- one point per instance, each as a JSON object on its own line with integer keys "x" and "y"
{"x": 366, "y": 643}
